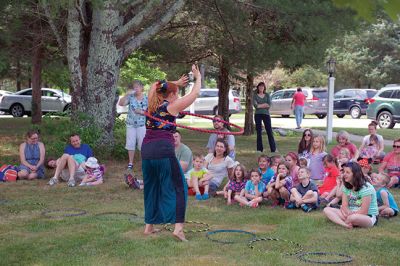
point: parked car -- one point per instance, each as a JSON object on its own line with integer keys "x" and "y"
{"x": 353, "y": 102}
{"x": 3, "y": 92}
{"x": 19, "y": 103}
{"x": 316, "y": 102}
{"x": 384, "y": 107}
{"x": 205, "y": 104}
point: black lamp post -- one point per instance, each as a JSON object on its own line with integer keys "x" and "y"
{"x": 331, "y": 66}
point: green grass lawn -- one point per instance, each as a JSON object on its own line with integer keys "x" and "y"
{"x": 28, "y": 238}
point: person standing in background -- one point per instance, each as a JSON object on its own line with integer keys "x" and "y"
{"x": 298, "y": 106}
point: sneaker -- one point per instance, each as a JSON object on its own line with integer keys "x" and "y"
{"x": 291, "y": 206}
{"x": 205, "y": 196}
{"x": 71, "y": 183}
{"x": 198, "y": 197}
{"x": 306, "y": 208}
{"x": 52, "y": 181}
{"x": 286, "y": 204}
{"x": 130, "y": 166}
{"x": 82, "y": 184}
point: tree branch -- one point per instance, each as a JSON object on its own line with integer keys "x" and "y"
{"x": 78, "y": 6}
{"x": 53, "y": 27}
{"x": 149, "y": 32}
{"x": 123, "y": 33}
{"x": 226, "y": 26}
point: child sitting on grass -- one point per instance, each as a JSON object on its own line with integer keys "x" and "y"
{"x": 237, "y": 183}
{"x": 93, "y": 173}
{"x": 264, "y": 168}
{"x": 198, "y": 177}
{"x": 386, "y": 204}
{"x": 344, "y": 156}
{"x": 331, "y": 174}
{"x": 303, "y": 162}
{"x": 305, "y": 194}
{"x": 280, "y": 185}
{"x": 252, "y": 194}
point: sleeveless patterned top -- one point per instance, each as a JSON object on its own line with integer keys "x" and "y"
{"x": 163, "y": 114}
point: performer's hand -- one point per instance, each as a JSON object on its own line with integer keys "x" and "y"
{"x": 196, "y": 72}
{"x": 182, "y": 81}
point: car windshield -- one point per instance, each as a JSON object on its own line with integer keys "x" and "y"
{"x": 321, "y": 94}
{"x": 371, "y": 94}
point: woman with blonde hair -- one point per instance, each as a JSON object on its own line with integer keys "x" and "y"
{"x": 165, "y": 189}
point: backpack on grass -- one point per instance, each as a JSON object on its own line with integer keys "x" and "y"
{"x": 8, "y": 173}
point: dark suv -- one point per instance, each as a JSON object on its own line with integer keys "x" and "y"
{"x": 353, "y": 102}
{"x": 385, "y": 107}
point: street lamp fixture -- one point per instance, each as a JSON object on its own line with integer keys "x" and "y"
{"x": 331, "y": 66}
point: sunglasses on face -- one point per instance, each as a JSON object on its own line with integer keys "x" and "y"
{"x": 307, "y": 135}
{"x": 396, "y": 146}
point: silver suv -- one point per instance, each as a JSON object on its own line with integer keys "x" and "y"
{"x": 207, "y": 102}
{"x": 20, "y": 103}
{"x": 316, "y": 102}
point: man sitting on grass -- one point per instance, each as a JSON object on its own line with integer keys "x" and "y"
{"x": 69, "y": 165}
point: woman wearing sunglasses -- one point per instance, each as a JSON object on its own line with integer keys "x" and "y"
{"x": 391, "y": 164}
{"x": 305, "y": 144}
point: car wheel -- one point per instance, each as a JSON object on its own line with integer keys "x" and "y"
{"x": 321, "y": 116}
{"x": 67, "y": 109}
{"x": 355, "y": 112}
{"x": 340, "y": 116}
{"x": 285, "y": 116}
{"x": 385, "y": 120}
{"x": 215, "y": 110}
{"x": 17, "y": 110}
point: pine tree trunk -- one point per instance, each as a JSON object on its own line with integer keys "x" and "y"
{"x": 248, "y": 117}
{"x": 223, "y": 86}
{"x": 36, "y": 82}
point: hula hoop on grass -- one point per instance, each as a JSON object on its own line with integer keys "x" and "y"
{"x": 3, "y": 201}
{"x": 346, "y": 258}
{"x": 300, "y": 248}
{"x": 63, "y": 213}
{"x": 105, "y": 214}
{"x": 240, "y": 132}
{"x": 252, "y": 235}
{"x": 205, "y": 229}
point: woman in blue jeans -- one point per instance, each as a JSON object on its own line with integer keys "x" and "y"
{"x": 262, "y": 103}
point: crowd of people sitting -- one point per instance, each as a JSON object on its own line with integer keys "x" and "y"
{"x": 342, "y": 181}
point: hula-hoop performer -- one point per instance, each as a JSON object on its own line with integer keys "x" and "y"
{"x": 165, "y": 189}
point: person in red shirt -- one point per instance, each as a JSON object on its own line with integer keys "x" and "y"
{"x": 298, "y": 106}
{"x": 331, "y": 173}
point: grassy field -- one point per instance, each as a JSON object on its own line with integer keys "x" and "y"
{"x": 28, "y": 238}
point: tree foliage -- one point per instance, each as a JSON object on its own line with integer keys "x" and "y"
{"x": 369, "y": 57}
{"x": 142, "y": 67}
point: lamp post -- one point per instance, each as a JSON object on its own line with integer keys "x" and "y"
{"x": 331, "y": 64}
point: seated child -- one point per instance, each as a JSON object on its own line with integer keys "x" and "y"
{"x": 280, "y": 185}
{"x": 275, "y": 160}
{"x": 303, "y": 162}
{"x": 366, "y": 169}
{"x": 344, "y": 156}
{"x": 329, "y": 183}
{"x": 198, "y": 177}
{"x": 386, "y": 204}
{"x": 252, "y": 194}
{"x": 264, "y": 168}
{"x": 236, "y": 183}
{"x": 305, "y": 194}
{"x": 93, "y": 173}
{"x": 371, "y": 151}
